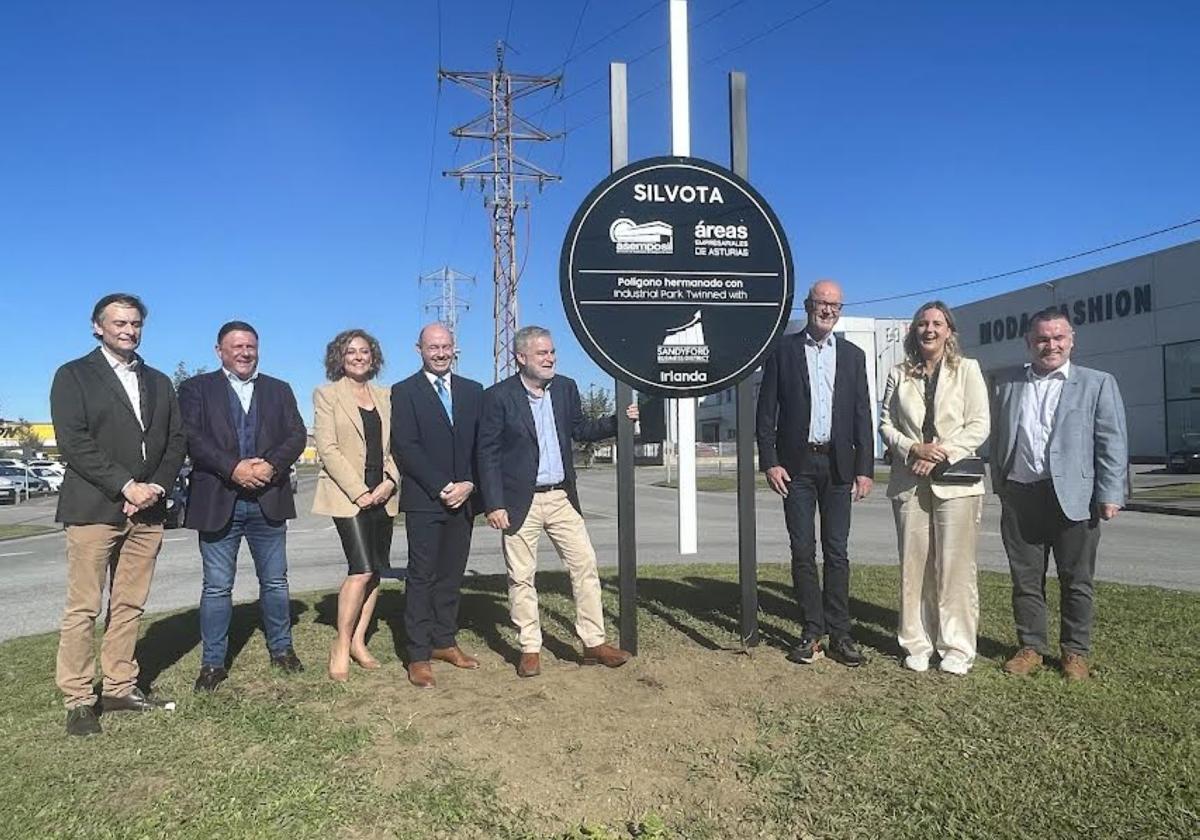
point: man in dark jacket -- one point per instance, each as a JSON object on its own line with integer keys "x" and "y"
{"x": 118, "y": 428}
{"x": 816, "y": 446}
{"x": 435, "y": 418}
{"x": 528, "y": 482}
{"x": 244, "y": 433}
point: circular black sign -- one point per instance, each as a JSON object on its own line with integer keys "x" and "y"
{"x": 676, "y": 276}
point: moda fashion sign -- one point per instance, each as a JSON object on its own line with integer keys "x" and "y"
{"x": 676, "y": 276}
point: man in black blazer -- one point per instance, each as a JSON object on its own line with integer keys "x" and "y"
{"x": 435, "y": 417}
{"x": 528, "y": 482}
{"x": 118, "y": 428}
{"x": 244, "y": 433}
{"x": 816, "y": 446}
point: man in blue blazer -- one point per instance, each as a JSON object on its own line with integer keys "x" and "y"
{"x": 244, "y": 433}
{"x": 816, "y": 446}
{"x": 1060, "y": 461}
{"x": 527, "y": 477}
{"x": 435, "y": 417}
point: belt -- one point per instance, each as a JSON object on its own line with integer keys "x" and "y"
{"x": 546, "y": 488}
{"x": 822, "y": 448}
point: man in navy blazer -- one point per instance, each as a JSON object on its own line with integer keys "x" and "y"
{"x": 244, "y": 433}
{"x": 1060, "y": 458}
{"x": 435, "y": 417}
{"x": 528, "y": 481}
{"x": 816, "y": 446}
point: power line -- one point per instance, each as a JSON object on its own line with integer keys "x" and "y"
{"x": 437, "y": 104}
{"x": 659, "y": 86}
{"x": 642, "y": 55}
{"x": 1004, "y": 274}
{"x": 615, "y": 31}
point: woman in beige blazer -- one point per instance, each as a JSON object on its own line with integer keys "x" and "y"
{"x": 356, "y": 485}
{"x": 935, "y": 410}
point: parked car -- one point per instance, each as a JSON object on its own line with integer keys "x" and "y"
{"x": 1186, "y": 459}
{"x": 8, "y": 492}
{"x": 12, "y": 462}
{"x": 57, "y": 466}
{"x": 51, "y": 476}
{"x": 24, "y": 479}
{"x": 294, "y": 479}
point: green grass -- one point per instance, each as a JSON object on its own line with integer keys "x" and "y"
{"x": 810, "y": 752}
{"x": 15, "y": 532}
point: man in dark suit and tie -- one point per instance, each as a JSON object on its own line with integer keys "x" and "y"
{"x": 1060, "y": 460}
{"x": 435, "y": 417}
{"x": 816, "y": 446}
{"x": 527, "y": 478}
{"x": 244, "y": 433}
{"x": 118, "y": 428}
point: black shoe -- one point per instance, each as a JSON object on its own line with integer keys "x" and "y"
{"x": 210, "y": 677}
{"x": 287, "y": 661}
{"x": 134, "y": 701}
{"x": 846, "y": 652}
{"x": 82, "y": 721}
{"x": 807, "y": 652}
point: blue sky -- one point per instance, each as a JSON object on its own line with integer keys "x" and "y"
{"x": 270, "y": 161}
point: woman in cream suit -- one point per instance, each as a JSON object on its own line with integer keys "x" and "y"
{"x": 356, "y": 485}
{"x": 935, "y": 411}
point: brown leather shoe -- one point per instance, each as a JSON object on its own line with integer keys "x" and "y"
{"x": 420, "y": 674}
{"x": 1024, "y": 662}
{"x": 530, "y": 665}
{"x": 606, "y": 655}
{"x": 456, "y": 657}
{"x": 1074, "y": 667}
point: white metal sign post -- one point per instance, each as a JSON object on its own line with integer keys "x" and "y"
{"x": 684, "y": 410}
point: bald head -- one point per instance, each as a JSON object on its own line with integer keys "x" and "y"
{"x": 436, "y": 346}
{"x": 824, "y": 308}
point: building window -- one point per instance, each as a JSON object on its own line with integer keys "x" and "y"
{"x": 1181, "y": 372}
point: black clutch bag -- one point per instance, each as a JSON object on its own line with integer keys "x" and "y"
{"x": 963, "y": 471}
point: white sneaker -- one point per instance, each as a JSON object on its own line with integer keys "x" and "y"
{"x": 954, "y": 665}
{"x": 920, "y": 664}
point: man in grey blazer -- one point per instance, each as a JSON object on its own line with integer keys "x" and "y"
{"x": 1059, "y": 464}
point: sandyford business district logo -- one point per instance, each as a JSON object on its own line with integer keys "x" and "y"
{"x": 684, "y": 345}
{"x": 646, "y": 238}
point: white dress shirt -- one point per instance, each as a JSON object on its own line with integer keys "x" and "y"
{"x": 244, "y": 388}
{"x": 821, "y": 358}
{"x": 1036, "y": 422}
{"x": 127, "y": 375}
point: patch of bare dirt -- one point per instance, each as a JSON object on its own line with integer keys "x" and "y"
{"x": 662, "y": 733}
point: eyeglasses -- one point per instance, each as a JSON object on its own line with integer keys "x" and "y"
{"x": 824, "y": 304}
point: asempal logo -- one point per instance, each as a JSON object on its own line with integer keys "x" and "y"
{"x": 645, "y": 238}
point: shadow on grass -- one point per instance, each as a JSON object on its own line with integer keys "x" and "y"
{"x": 173, "y": 637}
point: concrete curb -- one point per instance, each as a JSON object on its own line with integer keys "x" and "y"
{"x": 1169, "y": 510}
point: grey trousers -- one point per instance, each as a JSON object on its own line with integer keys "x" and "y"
{"x": 1032, "y": 525}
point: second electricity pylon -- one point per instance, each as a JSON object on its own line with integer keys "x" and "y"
{"x": 502, "y": 169}
{"x": 445, "y": 300}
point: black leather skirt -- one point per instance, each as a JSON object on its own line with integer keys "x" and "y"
{"x": 367, "y": 540}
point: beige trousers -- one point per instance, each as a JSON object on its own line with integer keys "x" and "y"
{"x": 939, "y": 588}
{"x": 125, "y": 556}
{"x": 553, "y": 513}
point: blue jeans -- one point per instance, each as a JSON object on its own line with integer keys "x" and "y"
{"x": 218, "y": 552}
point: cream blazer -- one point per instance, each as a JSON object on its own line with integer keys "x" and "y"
{"x": 961, "y": 417}
{"x": 342, "y": 447}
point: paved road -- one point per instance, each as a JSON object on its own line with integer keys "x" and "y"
{"x": 1138, "y": 548}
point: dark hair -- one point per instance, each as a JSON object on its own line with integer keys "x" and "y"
{"x": 122, "y": 298}
{"x": 336, "y": 349}
{"x": 231, "y": 326}
{"x": 1050, "y": 313}
{"x": 914, "y": 362}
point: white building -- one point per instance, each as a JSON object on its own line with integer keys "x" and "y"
{"x": 1138, "y": 319}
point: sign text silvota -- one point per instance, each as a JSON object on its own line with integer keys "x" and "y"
{"x": 676, "y": 276}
